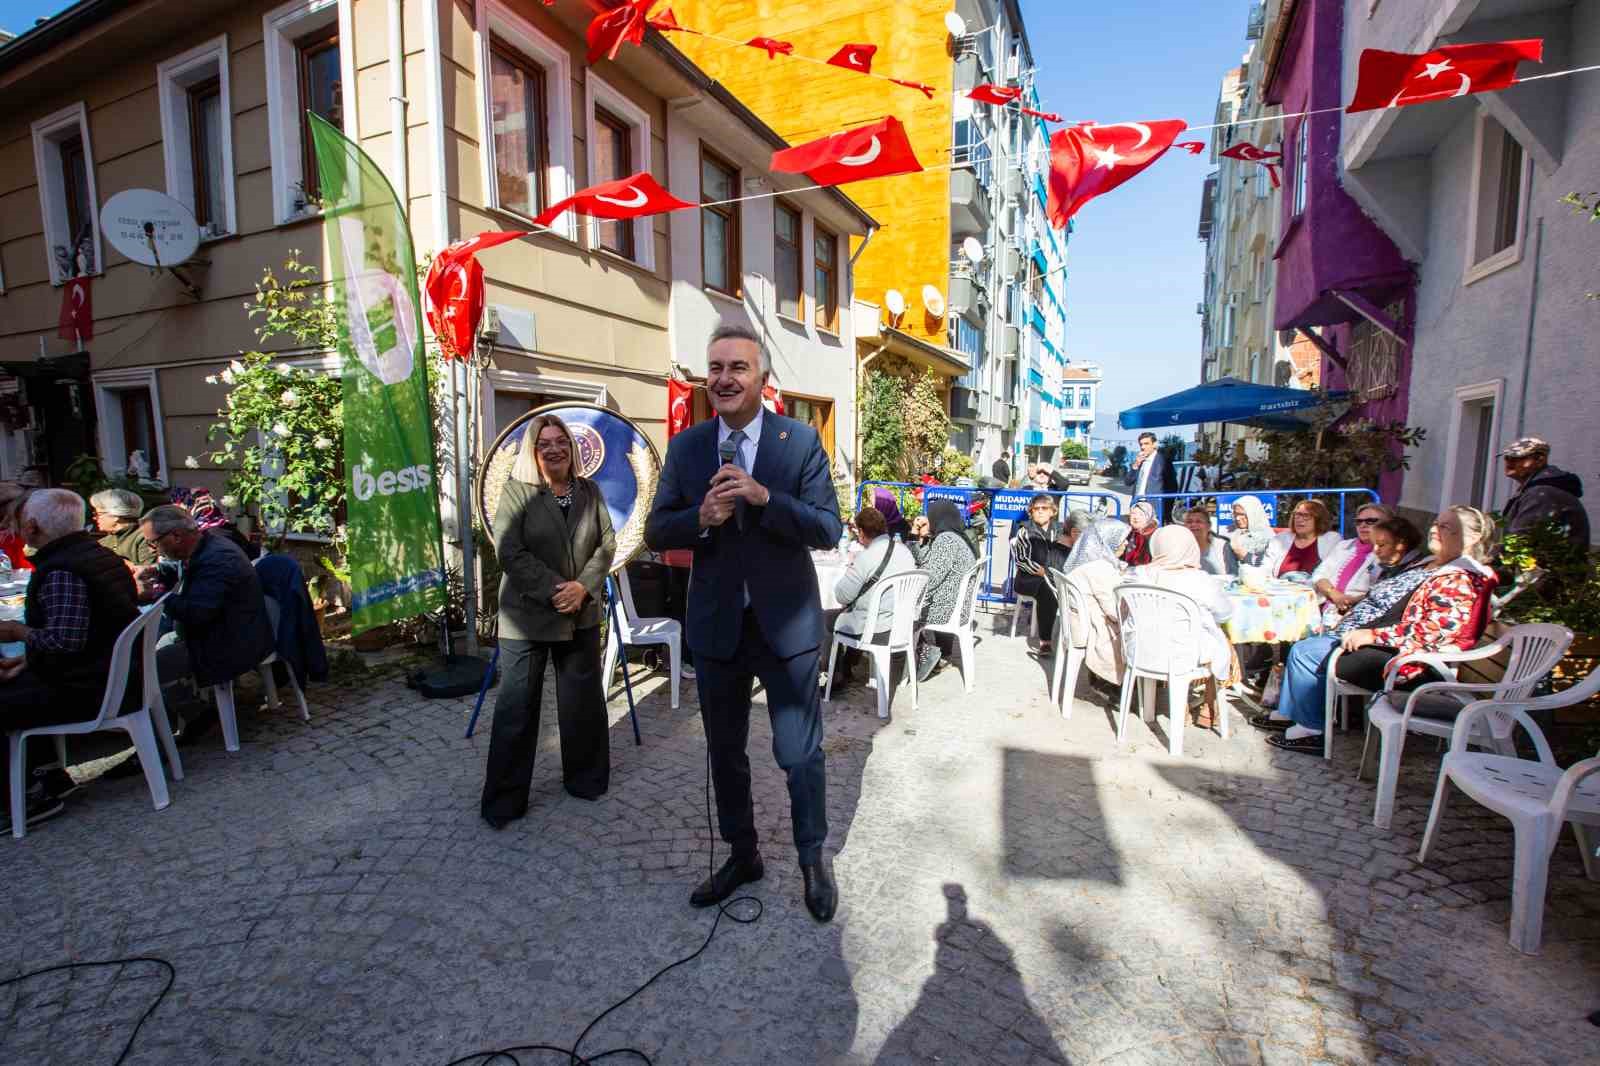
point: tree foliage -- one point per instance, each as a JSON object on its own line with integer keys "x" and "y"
{"x": 1354, "y": 455}
{"x": 883, "y": 434}
{"x": 1074, "y": 449}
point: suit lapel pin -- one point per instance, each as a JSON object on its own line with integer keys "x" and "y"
{"x": 784, "y": 435}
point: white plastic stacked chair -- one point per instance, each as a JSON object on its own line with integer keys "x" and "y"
{"x": 963, "y": 622}
{"x": 908, "y": 588}
{"x": 1532, "y": 652}
{"x": 142, "y": 724}
{"x": 636, "y": 630}
{"x": 1163, "y": 641}
{"x": 1069, "y": 653}
{"x": 227, "y": 711}
{"x": 1536, "y": 795}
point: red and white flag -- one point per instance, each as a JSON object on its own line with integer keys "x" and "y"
{"x": 999, "y": 95}
{"x": 667, "y": 22}
{"x": 1246, "y": 152}
{"x": 1045, "y": 116}
{"x": 1395, "y": 79}
{"x": 772, "y": 398}
{"x": 609, "y": 30}
{"x": 680, "y": 405}
{"x": 772, "y": 45}
{"x": 1091, "y": 159}
{"x": 874, "y": 151}
{"x": 925, "y": 90}
{"x": 629, "y": 197}
{"x": 856, "y": 57}
{"x": 77, "y": 311}
{"x": 455, "y": 292}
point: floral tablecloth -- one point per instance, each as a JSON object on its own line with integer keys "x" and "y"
{"x": 1283, "y": 612}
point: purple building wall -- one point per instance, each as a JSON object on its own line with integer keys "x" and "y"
{"x": 1332, "y": 245}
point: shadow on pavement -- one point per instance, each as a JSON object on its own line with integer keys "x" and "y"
{"x": 1052, "y": 823}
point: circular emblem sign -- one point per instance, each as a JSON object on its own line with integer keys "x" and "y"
{"x": 612, "y": 452}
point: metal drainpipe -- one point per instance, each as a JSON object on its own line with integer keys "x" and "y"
{"x": 1527, "y": 348}
{"x": 397, "y": 104}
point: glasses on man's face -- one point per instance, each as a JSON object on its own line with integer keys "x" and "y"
{"x": 155, "y": 542}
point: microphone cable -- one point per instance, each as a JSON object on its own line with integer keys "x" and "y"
{"x": 172, "y": 975}
{"x": 724, "y": 910}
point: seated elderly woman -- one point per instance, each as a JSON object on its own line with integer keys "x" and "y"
{"x": 1215, "y": 556}
{"x": 1309, "y": 541}
{"x": 1095, "y": 569}
{"x": 116, "y": 517}
{"x": 1037, "y": 548}
{"x": 880, "y": 557}
{"x": 948, "y": 559}
{"x": 1142, "y": 525}
{"x": 1252, "y": 531}
{"x": 1416, "y": 605}
{"x": 1175, "y": 564}
{"x": 1348, "y": 572}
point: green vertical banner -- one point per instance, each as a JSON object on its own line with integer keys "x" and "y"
{"x": 396, "y": 554}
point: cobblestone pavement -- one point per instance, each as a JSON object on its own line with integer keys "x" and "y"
{"x": 1015, "y": 890}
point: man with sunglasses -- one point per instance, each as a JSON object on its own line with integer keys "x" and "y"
{"x": 219, "y": 615}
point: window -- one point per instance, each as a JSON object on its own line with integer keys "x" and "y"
{"x": 1469, "y": 456}
{"x": 129, "y": 409}
{"x": 787, "y": 240}
{"x": 719, "y": 224}
{"x": 613, "y": 160}
{"x": 307, "y": 69}
{"x": 64, "y": 165}
{"x": 825, "y": 279}
{"x": 197, "y": 134}
{"x": 521, "y": 136}
{"x": 1302, "y": 157}
{"x": 1085, "y": 397}
{"x": 814, "y": 412}
{"x": 1499, "y": 201}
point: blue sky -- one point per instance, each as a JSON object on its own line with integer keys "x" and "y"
{"x": 1136, "y": 267}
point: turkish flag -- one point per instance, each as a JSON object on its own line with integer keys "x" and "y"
{"x": 925, "y": 90}
{"x": 772, "y": 398}
{"x": 455, "y": 292}
{"x": 623, "y": 198}
{"x": 774, "y": 47}
{"x": 856, "y": 57}
{"x": 610, "y": 29}
{"x": 77, "y": 311}
{"x": 680, "y": 406}
{"x": 874, "y": 151}
{"x": 1090, "y": 159}
{"x": 1246, "y": 152}
{"x": 999, "y": 95}
{"x": 667, "y": 22}
{"x": 1395, "y": 79}
{"x": 1045, "y": 116}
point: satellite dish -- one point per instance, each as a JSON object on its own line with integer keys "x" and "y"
{"x": 955, "y": 24}
{"x": 973, "y": 248}
{"x": 150, "y": 227}
{"x": 933, "y": 300}
{"x": 895, "y": 300}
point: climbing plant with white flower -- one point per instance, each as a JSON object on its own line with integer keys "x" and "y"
{"x": 280, "y": 433}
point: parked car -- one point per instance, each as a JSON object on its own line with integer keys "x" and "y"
{"x": 1078, "y": 471}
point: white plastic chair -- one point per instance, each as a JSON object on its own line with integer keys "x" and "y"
{"x": 1163, "y": 641}
{"x": 1069, "y": 654}
{"x": 227, "y": 712}
{"x": 1033, "y": 615}
{"x": 908, "y": 587}
{"x": 142, "y": 724}
{"x": 1533, "y": 651}
{"x": 1537, "y": 796}
{"x": 636, "y": 630}
{"x": 963, "y": 622}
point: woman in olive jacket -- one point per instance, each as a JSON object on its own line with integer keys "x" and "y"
{"x": 553, "y": 537}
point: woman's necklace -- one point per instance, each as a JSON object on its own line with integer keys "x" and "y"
{"x": 563, "y": 499}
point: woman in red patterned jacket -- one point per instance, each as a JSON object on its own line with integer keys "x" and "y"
{"x": 1449, "y": 610}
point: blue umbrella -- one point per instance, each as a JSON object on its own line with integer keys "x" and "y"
{"x": 1231, "y": 400}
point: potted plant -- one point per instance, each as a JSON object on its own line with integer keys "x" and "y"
{"x": 1563, "y": 582}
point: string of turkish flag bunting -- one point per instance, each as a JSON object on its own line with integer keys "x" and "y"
{"x": 1087, "y": 160}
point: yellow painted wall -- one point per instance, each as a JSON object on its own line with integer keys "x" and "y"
{"x": 804, "y": 101}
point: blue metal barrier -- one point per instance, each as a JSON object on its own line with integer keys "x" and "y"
{"x": 1008, "y": 505}
{"x": 1269, "y": 499}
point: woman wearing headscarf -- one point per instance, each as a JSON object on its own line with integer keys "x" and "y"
{"x": 1175, "y": 564}
{"x": 1347, "y": 573}
{"x": 947, "y": 561}
{"x": 1252, "y": 531}
{"x": 1036, "y": 550}
{"x": 553, "y": 537}
{"x": 1447, "y": 609}
{"x": 116, "y": 517}
{"x": 1095, "y": 569}
{"x": 883, "y": 499}
{"x": 1141, "y": 527}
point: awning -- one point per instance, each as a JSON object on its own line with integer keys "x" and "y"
{"x": 1233, "y": 400}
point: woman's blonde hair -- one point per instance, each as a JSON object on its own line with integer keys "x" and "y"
{"x": 1480, "y": 538}
{"x": 526, "y": 468}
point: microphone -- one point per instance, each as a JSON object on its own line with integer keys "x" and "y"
{"x": 728, "y": 451}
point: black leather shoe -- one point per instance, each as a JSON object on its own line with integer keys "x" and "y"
{"x": 720, "y": 885}
{"x": 822, "y": 895}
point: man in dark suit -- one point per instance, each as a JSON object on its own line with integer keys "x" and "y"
{"x": 754, "y": 609}
{"x": 1152, "y": 473}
